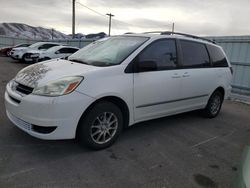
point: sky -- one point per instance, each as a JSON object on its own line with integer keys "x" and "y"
{"x": 212, "y": 17}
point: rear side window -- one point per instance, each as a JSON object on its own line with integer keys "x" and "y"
{"x": 217, "y": 56}
{"x": 67, "y": 50}
{"x": 63, "y": 51}
{"x": 194, "y": 55}
{"x": 72, "y": 50}
{"x": 47, "y": 46}
{"x": 162, "y": 52}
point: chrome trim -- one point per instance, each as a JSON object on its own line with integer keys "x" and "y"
{"x": 171, "y": 101}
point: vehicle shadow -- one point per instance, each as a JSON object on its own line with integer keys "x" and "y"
{"x": 67, "y": 147}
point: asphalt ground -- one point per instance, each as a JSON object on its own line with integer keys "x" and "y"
{"x": 180, "y": 151}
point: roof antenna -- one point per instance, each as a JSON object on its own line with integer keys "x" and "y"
{"x": 173, "y": 28}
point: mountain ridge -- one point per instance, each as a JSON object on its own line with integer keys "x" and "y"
{"x": 21, "y": 30}
{"x": 30, "y": 32}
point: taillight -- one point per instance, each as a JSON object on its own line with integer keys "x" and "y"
{"x": 231, "y": 70}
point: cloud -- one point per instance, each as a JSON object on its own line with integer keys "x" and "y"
{"x": 224, "y": 17}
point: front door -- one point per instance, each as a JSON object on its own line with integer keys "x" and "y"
{"x": 155, "y": 92}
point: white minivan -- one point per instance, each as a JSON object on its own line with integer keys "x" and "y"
{"x": 116, "y": 82}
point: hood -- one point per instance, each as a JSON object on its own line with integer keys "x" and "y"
{"x": 34, "y": 51}
{"x": 41, "y": 73}
{"x": 6, "y": 47}
{"x": 20, "y": 48}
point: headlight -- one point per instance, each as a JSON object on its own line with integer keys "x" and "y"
{"x": 58, "y": 87}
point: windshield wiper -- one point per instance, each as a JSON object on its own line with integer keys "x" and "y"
{"x": 79, "y": 61}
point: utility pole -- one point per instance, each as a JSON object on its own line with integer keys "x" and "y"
{"x": 173, "y": 27}
{"x": 73, "y": 17}
{"x": 110, "y": 15}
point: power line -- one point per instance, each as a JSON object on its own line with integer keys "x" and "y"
{"x": 92, "y": 9}
{"x": 118, "y": 21}
{"x": 103, "y": 14}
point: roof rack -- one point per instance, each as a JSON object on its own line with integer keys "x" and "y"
{"x": 183, "y": 34}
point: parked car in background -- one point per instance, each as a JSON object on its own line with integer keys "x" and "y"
{"x": 55, "y": 52}
{"x": 117, "y": 82}
{"x": 6, "y": 50}
{"x": 25, "y": 54}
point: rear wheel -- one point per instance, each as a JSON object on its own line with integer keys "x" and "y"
{"x": 101, "y": 126}
{"x": 214, "y": 105}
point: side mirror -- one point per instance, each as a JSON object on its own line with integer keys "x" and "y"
{"x": 145, "y": 66}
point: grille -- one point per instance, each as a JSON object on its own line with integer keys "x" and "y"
{"x": 24, "y": 89}
{"x": 20, "y": 123}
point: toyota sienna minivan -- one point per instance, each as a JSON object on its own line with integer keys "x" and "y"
{"x": 116, "y": 82}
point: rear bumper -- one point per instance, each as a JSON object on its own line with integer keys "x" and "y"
{"x": 228, "y": 92}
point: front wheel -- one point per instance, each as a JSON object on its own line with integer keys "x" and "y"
{"x": 214, "y": 105}
{"x": 101, "y": 126}
{"x": 24, "y": 58}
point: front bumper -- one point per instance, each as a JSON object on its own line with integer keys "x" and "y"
{"x": 16, "y": 55}
{"x": 31, "y": 57}
{"x": 64, "y": 113}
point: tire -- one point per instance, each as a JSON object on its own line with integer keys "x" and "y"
{"x": 23, "y": 58}
{"x": 93, "y": 130}
{"x": 214, "y": 105}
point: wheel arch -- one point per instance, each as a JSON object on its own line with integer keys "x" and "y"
{"x": 221, "y": 90}
{"x": 115, "y": 100}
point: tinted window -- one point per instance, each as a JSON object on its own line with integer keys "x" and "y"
{"x": 46, "y": 46}
{"x": 217, "y": 56}
{"x": 67, "y": 50}
{"x": 194, "y": 54}
{"x": 72, "y": 50}
{"x": 22, "y": 45}
{"x": 162, "y": 52}
{"x": 63, "y": 51}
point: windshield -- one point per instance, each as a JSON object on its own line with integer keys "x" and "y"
{"x": 22, "y": 45}
{"x": 35, "y": 45}
{"x": 108, "y": 51}
{"x": 52, "y": 49}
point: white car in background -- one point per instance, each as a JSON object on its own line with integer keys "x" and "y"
{"x": 61, "y": 52}
{"x": 25, "y": 54}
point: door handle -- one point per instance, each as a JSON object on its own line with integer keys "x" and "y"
{"x": 185, "y": 75}
{"x": 175, "y": 76}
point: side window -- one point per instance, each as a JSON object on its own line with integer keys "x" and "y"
{"x": 46, "y": 46}
{"x": 194, "y": 55}
{"x": 162, "y": 53}
{"x": 42, "y": 47}
{"x": 67, "y": 50}
{"x": 72, "y": 50}
{"x": 63, "y": 51}
{"x": 51, "y": 45}
{"x": 217, "y": 56}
